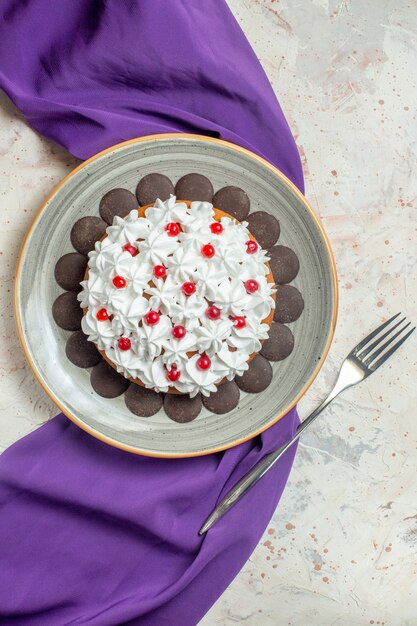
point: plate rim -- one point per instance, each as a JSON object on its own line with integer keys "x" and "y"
{"x": 186, "y": 136}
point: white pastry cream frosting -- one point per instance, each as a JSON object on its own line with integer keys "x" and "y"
{"x": 176, "y": 298}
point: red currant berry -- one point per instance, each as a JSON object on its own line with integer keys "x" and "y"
{"x": 173, "y": 374}
{"x": 203, "y": 363}
{"x": 132, "y": 249}
{"x": 251, "y": 286}
{"x": 119, "y": 282}
{"x": 124, "y": 343}
{"x": 172, "y": 229}
{"x": 213, "y": 313}
{"x": 152, "y": 318}
{"x": 239, "y": 321}
{"x": 179, "y": 332}
{"x": 208, "y": 251}
{"x": 188, "y": 289}
{"x": 251, "y": 247}
{"x": 216, "y": 228}
{"x": 102, "y": 315}
{"x": 159, "y": 271}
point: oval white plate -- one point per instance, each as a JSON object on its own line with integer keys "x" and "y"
{"x": 48, "y": 239}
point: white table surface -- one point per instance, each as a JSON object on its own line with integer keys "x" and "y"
{"x": 342, "y": 546}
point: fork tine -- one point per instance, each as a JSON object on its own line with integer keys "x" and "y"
{"x": 368, "y": 349}
{"x": 383, "y": 347}
{"x": 391, "y": 351}
{"x": 371, "y": 335}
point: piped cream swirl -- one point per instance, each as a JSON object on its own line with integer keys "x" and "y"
{"x": 219, "y": 280}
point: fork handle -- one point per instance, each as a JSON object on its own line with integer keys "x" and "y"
{"x": 251, "y": 478}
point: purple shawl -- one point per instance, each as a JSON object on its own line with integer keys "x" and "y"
{"x": 90, "y": 534}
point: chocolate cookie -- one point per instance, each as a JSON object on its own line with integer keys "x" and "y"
{"x": 80, "y": 351}
{"x": 224, "y": 400}
{"x": 257, "y": 377}
{"x": 279, "y": 344}
{"x": 153, "y": 186}
{"x": 117, "y": 202}
{"x": 289, "y": 304}
{"x": 194, "y": 187}
{"x": 70, "y": 270}
{"x": 106, "y": 381}
{"x": 264, "y": 227}
{"x": 182, "y": 408}
{"x": 85, "y": 232}
{"x": 67, "y": 312}
{"x": 284, "y": 264}
{"x": 232, "y": 200}
{"x": 143, "y": 402}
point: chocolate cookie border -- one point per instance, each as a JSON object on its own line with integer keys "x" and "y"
{"x": 105, "y": 381}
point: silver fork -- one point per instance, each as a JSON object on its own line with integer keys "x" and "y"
{"x": 361, "y": 362}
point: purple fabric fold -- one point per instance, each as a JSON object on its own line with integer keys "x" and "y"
{"x": 90, "y": 534}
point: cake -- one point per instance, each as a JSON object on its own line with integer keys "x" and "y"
{"x": 111, "y": 374}
{"x": 178, "y": 297}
